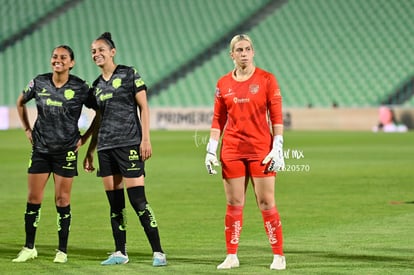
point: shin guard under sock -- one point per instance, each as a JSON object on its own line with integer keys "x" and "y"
{"x": 273, "y": 227}
{"x": 31, "y": 221}
{"x": 233, "y": 227}
{"x": 116, "y": 200}
{"x": 64, "y": 218}
{"x": 146, "y": 216}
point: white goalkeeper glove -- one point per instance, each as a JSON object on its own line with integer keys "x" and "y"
{"x": 211, "y": 159}
{"x": 275, "y": 158}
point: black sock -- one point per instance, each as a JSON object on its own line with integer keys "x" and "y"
{"x": 146, "y": 216}
{"x": 31, "y": 221}
{"x": 63, "y": 222}
{"x": 116, "y": 200}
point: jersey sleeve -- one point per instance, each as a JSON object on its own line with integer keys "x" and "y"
{"x": 138, "y": 82}
{"x": 274, "y": 101}
{"x": 29, "y": 91}
{"x": 91, "y": 99}
{"x": 220, "y": 113}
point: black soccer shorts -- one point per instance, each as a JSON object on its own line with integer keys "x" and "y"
{"x": 64, "y": 164}
{"x": 124, "y": 160}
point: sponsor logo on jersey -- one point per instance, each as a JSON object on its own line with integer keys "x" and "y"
{"x": 241, "y": 100}
{"x": 44, "y": 92}
{"x": 139, "y": 82}
{"x": 69, "y": 94}
{"x": 98, "y": 91}
{"x": 116, "y": 83}
{"x": 50, "y": 102}
{"x": 105, "y": 97}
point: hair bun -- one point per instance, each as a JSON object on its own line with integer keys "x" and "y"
{"x": 108, "y": 38}
{"x": 107, "y": 35}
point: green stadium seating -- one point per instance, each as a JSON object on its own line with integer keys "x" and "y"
{"x": 155, "y": 36}
{"x": 354, "y": 53}
{"x": 18, "y": 14}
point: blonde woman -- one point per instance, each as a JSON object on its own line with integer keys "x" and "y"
{"x": 246, "y": 100}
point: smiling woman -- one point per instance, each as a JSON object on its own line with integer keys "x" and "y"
{"x": 55, "y": 140}
{"x": 123, "y": 145}
{"x": 63, "y": 57}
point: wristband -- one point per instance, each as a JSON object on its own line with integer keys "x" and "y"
{"x": 278, "y": 140}
{"x": 212, "y": 146}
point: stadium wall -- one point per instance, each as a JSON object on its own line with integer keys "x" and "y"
{"x": 341, "y": 119}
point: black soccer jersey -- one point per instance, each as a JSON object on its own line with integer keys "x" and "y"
{"x": 120, "y": 125}
{"x": 58, "y": 111}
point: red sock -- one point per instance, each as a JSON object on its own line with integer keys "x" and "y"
{"x": 233, "y": 223}
{"x": 273, "y": 227}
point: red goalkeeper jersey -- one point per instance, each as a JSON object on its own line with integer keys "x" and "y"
{"x": 242, "y": 111}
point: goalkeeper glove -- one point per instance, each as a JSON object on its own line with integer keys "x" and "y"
{"x": 275, "y": 157}
{"x": 211, "y": 159}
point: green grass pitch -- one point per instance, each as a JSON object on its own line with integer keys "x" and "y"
{"x": 346, "y": 203}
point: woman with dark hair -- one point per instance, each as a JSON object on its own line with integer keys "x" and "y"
{"x": 123, "y": 145}
{"x": 55, "y": 140}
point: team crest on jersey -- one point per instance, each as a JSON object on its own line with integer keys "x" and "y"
{"x": 69, "y": 94}
{"x": 116, "y": 83}
{"x": 139, "y": 82}
{"x": 254, "y": 88}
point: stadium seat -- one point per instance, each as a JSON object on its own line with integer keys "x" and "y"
{"x": 354, "y": 53}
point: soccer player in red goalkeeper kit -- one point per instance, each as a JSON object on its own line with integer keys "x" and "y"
{"x": 246, "y": 100}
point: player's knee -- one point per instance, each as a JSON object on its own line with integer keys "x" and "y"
{"x": 62, "y": 201}
{"x": 34, "y": 199}
{"x": 265, "y": 205}
{"x": 137, "y": 198}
